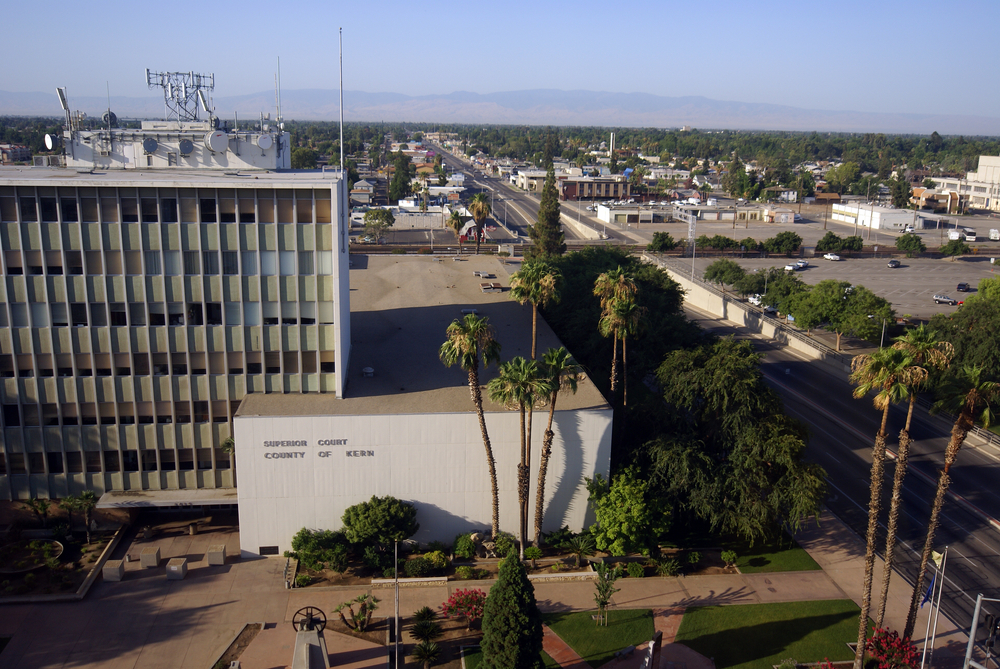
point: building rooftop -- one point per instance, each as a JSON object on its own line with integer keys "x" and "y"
{"x": 176, "y": 177}
{"x": 400, "y": 309}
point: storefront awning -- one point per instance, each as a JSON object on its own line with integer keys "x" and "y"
{"x": 144, "y": 499}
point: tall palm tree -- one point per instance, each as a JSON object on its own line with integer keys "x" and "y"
{"x": 614, "y": 286}
{"x": 479, "y": 207}
{"x": 537, "y": 282}
{"x": 518, "y": 386}
{"x": 455, "y": 222}
{"x": 229, "y": 448}
{"x": 881, "y": 372}
{"x": 470, "y": 339}
{"x": 965, "y": 394}
{"x": 563, "y": 373}
{"x": 629, "y": 317}
{"x": 927, "y": 352}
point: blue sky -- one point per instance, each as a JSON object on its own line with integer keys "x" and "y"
{"x": 873, "y": 56}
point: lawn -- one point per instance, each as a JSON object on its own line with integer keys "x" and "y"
{"x": 759, "y": 636}
{"x": 597, "y": 645}
{"x": 474, "y": 656}
{"x": 779, "y": 554}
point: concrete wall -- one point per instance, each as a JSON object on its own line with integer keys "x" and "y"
{"x": 435, "y": 461}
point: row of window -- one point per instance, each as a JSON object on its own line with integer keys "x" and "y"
{"x": 120, "y": 314}
{"x": 173, "y": 263}
{"x": 139, "y": 413}
{"x": 96, "y": 462}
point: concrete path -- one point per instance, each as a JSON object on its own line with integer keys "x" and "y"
{"x": 560, "y": 651}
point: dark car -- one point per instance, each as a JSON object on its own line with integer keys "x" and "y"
{"x": 893, "y": 264}
{"x": 962, "y": 287}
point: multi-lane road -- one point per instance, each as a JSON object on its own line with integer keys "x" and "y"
{"x": 842, "y": 431}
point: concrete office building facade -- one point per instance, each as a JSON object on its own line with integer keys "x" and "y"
{"x": 140, "y": 307}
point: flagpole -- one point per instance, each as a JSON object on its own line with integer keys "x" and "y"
{"x": 937, "y": 611}
{"x": 927, "y": 630}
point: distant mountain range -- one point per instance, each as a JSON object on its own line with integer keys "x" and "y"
{"x": 536, "y": 107}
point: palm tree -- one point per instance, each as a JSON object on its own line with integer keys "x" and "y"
{"x": 611, "y": 286}
{"x": 455, "y": 223}
{"x": 479, "y": 207}
{"x": 926, "y": 351}
{"x": 629, "y": 318}
{"x": 562, "y": 372}
{"x": 87, "y": 502}
{"x": 69, "y": 505}
{"x": 468, "y": 340}
{"x": 229, "y": 448}
{"x": 965, "y": 394}
{"x": 883, "y": 372}
{"x": 426, "y": 653}
{"x": 537, "y": 282}
{"x": 520, "y": 385}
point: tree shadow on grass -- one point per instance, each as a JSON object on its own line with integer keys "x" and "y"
{"x": 744, "y": 645}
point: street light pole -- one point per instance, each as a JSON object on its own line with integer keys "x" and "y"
{"x": 395, "y": 631}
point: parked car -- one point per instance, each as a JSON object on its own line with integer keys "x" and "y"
{"x": 893, "y": 264}
{"x": 831, "y": 256}
{"x": 770, "y": 311}
{"x": 791, "y": 267}
{"x": 962, "y": 287}
{"x": 944, "y": 299}
{"x": 908, "y": 229}
{"x": 802, "y": 264}
{"x": 754, "y": 300}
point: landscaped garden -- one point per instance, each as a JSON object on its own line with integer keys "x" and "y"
{"x": 45, "y": 567}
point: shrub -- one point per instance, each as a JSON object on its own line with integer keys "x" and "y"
{"x": 302, "y": 581}
{"x": 955, "y": 247}
{"x": 424, "y": 614}
{"x": 662, "y": 241}
{"x": 910, "y": 243}
{"x": 399, "y": 251}
{"x": 465, "y": 573}
{"x": 438, "y": 546}
{"x": 465, "y": 548}
{"x": 505, "y": 544}
{"x": 376, "y": 559}
{"x": 29, "y": 580}
{"x": 668, "y": 567}
{"x": 785, "y": 243}
{"x": 532, "y": 553}
{"x": 466, "y": 604}
{"x": 889, "y": 651}
{"x": 389, "y": 572}
{"x": 52, "y": 563}
{"x": 635, "y": 570}
{"x": 512, "y": 623}
{"x": 380, "y": 520}
{"x": 558, "y": 537}
{"x": 426, "y": 630}
{"x": 426, "y": 653}
{"x": 360, "y": 619}
{"x": 831, "y": 242}
{"x": 729, "y": 557}
{"x": 853, "y": 243}
{"x": 693, "y": 558}
{"x": 425, "y": 250}
{"x": 437, "y": 559}
{"x": 417, "y": 567}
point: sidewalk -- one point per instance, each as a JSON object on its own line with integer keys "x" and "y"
{"x": 147, "y": 621}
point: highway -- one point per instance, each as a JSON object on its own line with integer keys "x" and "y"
{"x": 842, "y": 431}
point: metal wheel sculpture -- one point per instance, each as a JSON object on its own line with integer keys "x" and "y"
{"x": 308, "y": 619}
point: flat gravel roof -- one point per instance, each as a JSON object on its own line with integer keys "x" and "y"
{"x": 401, "y": 306}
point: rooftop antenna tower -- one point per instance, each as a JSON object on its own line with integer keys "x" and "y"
{"x": 183, "y": 92}
{"x": 277, "y": 94}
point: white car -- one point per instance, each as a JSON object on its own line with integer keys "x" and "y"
{"x": 802, "y": 264}
{"x": 791, "y": 268}
{"x": 754, "y": 300}
{"x": 831, "y": 256}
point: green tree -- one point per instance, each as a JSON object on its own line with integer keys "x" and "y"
{"x": 604, "y": 590}
{"x": 727, "y": 452}
{"x": 426, "y": 653}
{"x": 806, "y": 185}
{"x": 69, "y": 505}
{"x": 512, "y": 623}
{"x": 662, "y": 242}
{"x": 623, "y": 318}
{"x": 910, "y": 243}
{"x": 853, "y": 243}
{"x": 520, "y": 385}
{"x": 39, "y": 507}
{"x": 927, "y": 353}
{"x": 380, "y": 521}
{"x": 547, "y": 235}
{"x": 969, "y": 396}
{"x": 614, "y": 287}
{"x": 562, "y": 373}
{"x": 901, "y": 192}
{"x": 830, "y": 243}
{"x": 630, "y": 516}
{"x": 785, "y": 243}
{"x": 303, "y": 159}
{"x": 468, "y": 340}
{"x": 955, "y": 247}
{"x": 972, "y": 330}
{"x": 400, "y": 187}
{"x": 479, "y": 207}
{"x": 536, "y": 282}
{"x": 377, "y": 221}
{"x": 87, "y": 504}
{"x": 889, "y": 372}
{"x": 846, "y": 309}
{"x": 456, "y": 223}
{"x": 723, "y": 272}
{"x": 839, "y": 178}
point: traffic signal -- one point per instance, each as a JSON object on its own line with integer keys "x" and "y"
{"x": 992, "y": 625}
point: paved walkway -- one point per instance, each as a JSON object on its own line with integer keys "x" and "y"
{"x": 146, "y": 621}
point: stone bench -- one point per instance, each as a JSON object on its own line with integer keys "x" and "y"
{"x": 177, "y": 569}
{"x": 149, "y": 557}
{"x": 114, "y": 570}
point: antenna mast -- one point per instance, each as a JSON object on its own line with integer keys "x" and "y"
{"x": 182, "y": 91}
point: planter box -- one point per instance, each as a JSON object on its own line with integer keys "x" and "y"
{"x": 216, "y": 554}
{"x": 177, "y": 569}
{"x": 149, "y": 557}
{"x": 432, "y": 581}
{"x": 114, "y": 570}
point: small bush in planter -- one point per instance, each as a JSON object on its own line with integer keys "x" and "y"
{"x": 532, "y": 553}
{"x": 465, "y": 548}
{"x": 693, "y": 558}
{"x": 302, "y": 581}
{"x": 423, "y": 614}
{"x": 426, "y": 630}
{"x": 437, "y": 559}
{"x": 635, "y": 570}
{"x": 465, "y": 573}
{"x": 504, "y": 544}
{"x": 388, "y": 572}
{"x": 729, "y": 557}
{"x": 417, "y": 567}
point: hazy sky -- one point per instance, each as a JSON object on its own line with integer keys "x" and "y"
{"x": 870, "y": 55}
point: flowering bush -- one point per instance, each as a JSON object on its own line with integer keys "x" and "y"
{"x": 889, "y": 651}
{"x": 469, "y": 603}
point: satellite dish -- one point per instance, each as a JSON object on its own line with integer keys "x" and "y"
{"x": 264, "y": 141}
{"x": 187, "y": 146}
{"x": 52, "y": 142}
{"x": 149, "y": 145}
{"x": 217, "y": 141}
{"x": 110, "y": 118}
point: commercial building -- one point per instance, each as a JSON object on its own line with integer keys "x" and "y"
{"x": 614, "y": 187}
{"x": 407, "y": 426}
{"x": 881, "y": 218}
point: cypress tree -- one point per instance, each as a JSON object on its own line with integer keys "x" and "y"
{"x": 547, "y": 234}
{"x": 512, "y": 624}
